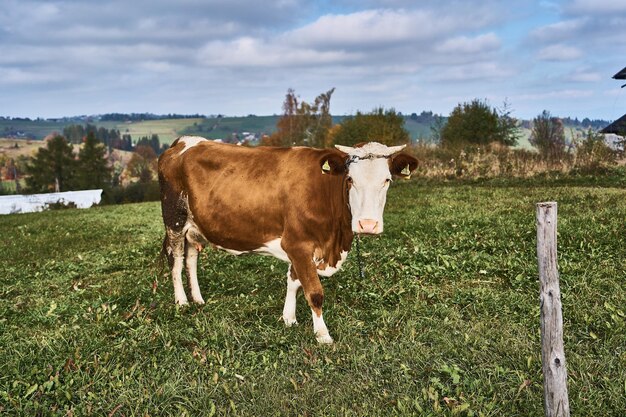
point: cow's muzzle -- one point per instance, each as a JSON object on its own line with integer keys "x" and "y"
{"x": 368, "y": 227}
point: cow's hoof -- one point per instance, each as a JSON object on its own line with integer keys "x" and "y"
{"x": 199, "y": 300}
{"x": 182, "y": 302}
{"x": 324, "y": 339}
{"x": 290, "y": 322}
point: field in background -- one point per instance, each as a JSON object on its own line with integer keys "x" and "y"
{"x": 445, "y": 322}
{"x": 224, "y": 127}
{"x": 25, "y": 147}
{"x": 214, "y": 128}
{"x": 168, "y": 129}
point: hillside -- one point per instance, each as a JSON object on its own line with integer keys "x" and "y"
{"x": 212, "y": 127}
{"x": 170, "y": 129}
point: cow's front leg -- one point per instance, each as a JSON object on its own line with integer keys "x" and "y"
{"x": 314, "y": 293}
{"x": 289, "y": 311}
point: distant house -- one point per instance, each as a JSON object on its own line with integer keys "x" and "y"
{"x": 616, "y": 131}
{"x": 618, "y": 127}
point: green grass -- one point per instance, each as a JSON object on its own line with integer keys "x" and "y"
{"x": 445, "y": 323}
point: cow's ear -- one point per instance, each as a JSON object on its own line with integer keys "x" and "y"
{"x": 333, "y": 163}
{"x": 402, "y": 165}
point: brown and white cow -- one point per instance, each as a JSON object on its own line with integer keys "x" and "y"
{"x": 301, "y": 205}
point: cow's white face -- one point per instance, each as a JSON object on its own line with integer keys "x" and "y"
{"x": 369, "y": 176}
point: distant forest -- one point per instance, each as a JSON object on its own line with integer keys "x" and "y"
{"x": 138, "y": 117}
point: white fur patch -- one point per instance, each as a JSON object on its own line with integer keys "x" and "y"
{"x": 272, "y": 248}
{"x": 330, "y": 270}
{"x": 289, "y": 311}
{"x": 320, "y": 329}
{"x": 190, "y": 142}
{"x": 371, "y": 149}
{"x": 231, "y": 251}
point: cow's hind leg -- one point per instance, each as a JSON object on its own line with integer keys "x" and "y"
{"x": 191, "y": 261}
{"x": 293, "y": 285}
{"x": 177, "y": 247}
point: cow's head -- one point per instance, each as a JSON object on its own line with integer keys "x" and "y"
{"x": 370, "y": 169}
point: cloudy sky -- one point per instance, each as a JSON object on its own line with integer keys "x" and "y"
{"x": 239, "y": 57}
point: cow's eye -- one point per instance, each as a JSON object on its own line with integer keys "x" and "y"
{"x": 388, "y": 181}
{"x": 349, "y": 180}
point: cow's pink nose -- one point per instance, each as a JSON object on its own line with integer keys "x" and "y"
{"x": 368, "y": 226}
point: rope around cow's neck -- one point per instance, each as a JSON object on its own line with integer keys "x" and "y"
{"x": 358, "y": 257}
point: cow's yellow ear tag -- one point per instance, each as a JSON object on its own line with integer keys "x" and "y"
{"x": 406, "y": 171}
{"x": 326, "y": 167}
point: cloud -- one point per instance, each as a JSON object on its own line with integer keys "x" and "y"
{"x": 596, "y": 7}
{"x": 194, "y": 21}
{"x": 488, "y": 42}
{"x": 381, "y": 27}
{"x": 369, "y": 28}
{"x": 559, "y": 52}
{"x": 72, "y": 56}
{"x": 474, "y": 71}
{"x": 597, "y": 24}
{"x": 559, "y": 31}
{"x": 584, "y": 76}
{"x": 385, "y": 37}
{"x": 251, "y": 52}
{"x": 556, "y": 94}
{"x": 18, "y": 76}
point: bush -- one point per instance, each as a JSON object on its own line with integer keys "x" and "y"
{"x": 478, "y": 124}
{"x": 473, "y": 161}
{"x": 60, "y": 205}
{"x": 593, "y": 155}
{"x": 548, "y": 136}
{"x": 134, "y": 193}
{"x": 383, "y": 126}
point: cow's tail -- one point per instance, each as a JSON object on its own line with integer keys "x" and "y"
{"x": 166, "y": 257}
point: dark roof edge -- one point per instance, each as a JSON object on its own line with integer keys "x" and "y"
{"x": 621, "y": 75}
{"x": 618, "y": 127}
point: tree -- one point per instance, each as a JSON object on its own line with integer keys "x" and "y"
{"x": 548, "y": 136}
{"x": 383, "y": 126}
{"x": 143, "y": 164}
{"x": 303, "y": 123}
{"x": 436, "y": 128}
{"x": 478, "y": 124}
{"x": 152, "y": 142}
{"x": 471, "y": 123}
{"x": 53, "y": 167}
{"x": 74, "y": 133}
{"x": 93, "y": 170}
{"x": 508, "y": 125}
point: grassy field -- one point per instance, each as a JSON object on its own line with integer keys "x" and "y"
{"x": 445, "y": 323}
{"x": 167, "y": 129}
{"x": 25, "y": 147}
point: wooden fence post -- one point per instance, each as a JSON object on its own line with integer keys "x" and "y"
{"x": 556, "y": 402}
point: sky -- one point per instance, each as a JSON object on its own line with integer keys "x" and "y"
{"x": 239, "y": 57}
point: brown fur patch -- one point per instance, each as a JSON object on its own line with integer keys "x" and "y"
{"x": 400, "y": 161}
{"x": 317, "y": 300}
